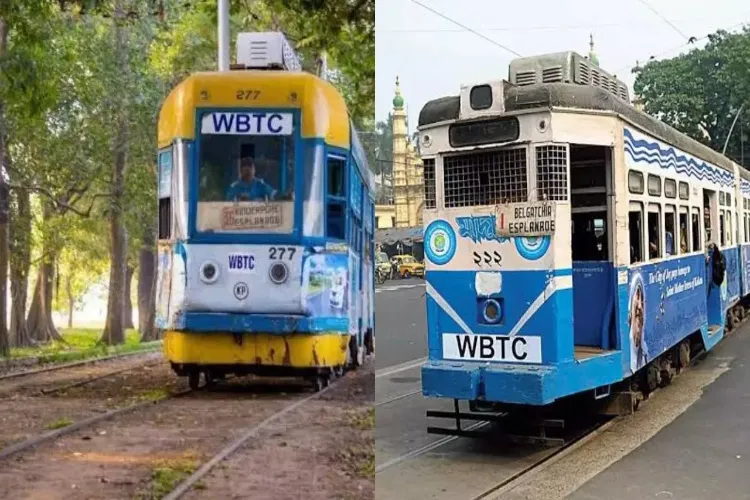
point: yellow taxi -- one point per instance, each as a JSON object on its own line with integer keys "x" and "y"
{"x": 407, "y": 266}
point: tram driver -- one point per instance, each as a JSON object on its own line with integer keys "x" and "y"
{"x": 249, "y": 187}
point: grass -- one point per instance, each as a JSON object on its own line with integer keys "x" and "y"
{"x": 364, "y": 420}
{"x": 169, "y": 473}
{"x": 59, "y": 423}
{"x": 151, "y": 395}
{"x": 80, "y": 344}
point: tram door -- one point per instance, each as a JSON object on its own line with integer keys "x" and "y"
{"x": 593, "y": 272}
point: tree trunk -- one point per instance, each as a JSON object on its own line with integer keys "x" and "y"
{"x": 114, "y": 330}
{"x": 20, "y": 263}
{"x": 71, "y": 302}
{"x": 129, "y": 272}
{"x": 147, "y": 285}
{"x": 4, "y": 213}
{"x": 39, "y": 321}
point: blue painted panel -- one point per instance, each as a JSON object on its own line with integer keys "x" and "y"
{"x": 592, "y": 291}
{"x": 520, "y": 290}
{"x": 732, "y": 256}
{"x": 745, "y": 268}
{"x": 666, "y": 303}
{"x": 258, "y": 323}
{"x": 536, "y": 385}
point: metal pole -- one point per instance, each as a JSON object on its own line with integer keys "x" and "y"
{"x": 723, "y": 151}
{"x": 223, "y": 6}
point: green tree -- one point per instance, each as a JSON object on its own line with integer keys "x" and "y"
{"x": 700, "y": 92}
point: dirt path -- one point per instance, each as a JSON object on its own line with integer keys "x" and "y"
{"x": 144, "y": 454}
{"x": 324, "y": 450}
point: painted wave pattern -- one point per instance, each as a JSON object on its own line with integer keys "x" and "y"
{"x": 744, "y": 187}
{"x": 652, "y": 153}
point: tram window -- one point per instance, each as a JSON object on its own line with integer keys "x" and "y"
{"x": 654, "y": 185}
{"x": 670, "y": 188}
{"x": 696, "y": 223}
{"x": 722, "y": 233}
{"x": 336, "y": 221}
{"x": 729, "y": 227}
{"x": 336, "y": 200}
{"x": 654, "y": 239}
{"x": 635, "y": 182}
{"x": 684, "y": 191}
{"x": 669, "y": 231}
{"x": 684, "y": 231}
{"x": 635, "y": 225}
{"x": 336, "y": 171}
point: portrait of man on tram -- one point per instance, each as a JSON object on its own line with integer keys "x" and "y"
{"x": 637, "y": 324}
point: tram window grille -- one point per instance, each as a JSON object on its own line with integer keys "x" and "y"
{"x": 486, "y": 178}
{"x": 429, "y": 183}
{"x": 552, "y": 172}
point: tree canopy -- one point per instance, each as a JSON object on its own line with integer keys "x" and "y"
{"x": 81, "y": 83}
{"x": 701, "y": 92}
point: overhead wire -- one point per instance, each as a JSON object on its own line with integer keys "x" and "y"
{"x": 494, "y": 42}
{"x": 663, "y": 18}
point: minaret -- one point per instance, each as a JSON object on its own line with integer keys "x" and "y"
{"x": 592, "y": 55}
{"x": 400, "y": 185}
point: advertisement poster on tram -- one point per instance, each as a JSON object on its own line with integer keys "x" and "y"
{"x": 664, "y": 301}
{"x": 325, "y": 284}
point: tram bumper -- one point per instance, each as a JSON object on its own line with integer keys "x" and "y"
{"x": 531, "y": 385}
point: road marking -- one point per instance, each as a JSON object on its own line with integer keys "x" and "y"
{"x": 424, "y": 449}
{"x": 397, "y": 398}
{"x": 384, "y": 372}
{"x": 396, "y": 287}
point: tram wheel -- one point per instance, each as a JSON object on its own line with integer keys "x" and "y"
{"x": 320, "y": 382}
{"x": 684, "y": 353}
{"x": 210, "y": 378}
{"x": 194, "y": 378}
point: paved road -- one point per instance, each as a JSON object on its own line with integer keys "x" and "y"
{"x": 411, "y": 464}
{"x": 703, "y": 454}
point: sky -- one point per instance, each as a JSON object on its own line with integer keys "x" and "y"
{"x": 433, "y": 57}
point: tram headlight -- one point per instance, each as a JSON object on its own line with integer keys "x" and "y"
{"x": 492, "y": 311}
{"x": 209, "y": 272}
{"x": 278, "y": 273}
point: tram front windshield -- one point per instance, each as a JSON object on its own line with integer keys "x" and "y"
{"x": 245, "y": 183}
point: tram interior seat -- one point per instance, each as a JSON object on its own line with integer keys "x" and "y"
{"x": 593, "y": 272}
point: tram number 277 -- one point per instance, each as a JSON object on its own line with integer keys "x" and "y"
{"x": 277, "y": 253}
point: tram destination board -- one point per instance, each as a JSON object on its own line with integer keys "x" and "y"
{"x": 526, "y": 219}
{"x": 477, "y": 133}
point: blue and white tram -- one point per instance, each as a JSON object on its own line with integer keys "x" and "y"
{"x": 572, "y": 242}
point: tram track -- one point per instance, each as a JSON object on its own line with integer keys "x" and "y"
{"x": 74, "y": 364}
{"x": 38, "y": 389}
{"x": 265, "y": 405}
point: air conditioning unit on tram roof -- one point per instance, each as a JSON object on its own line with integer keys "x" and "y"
{"x": 266, "y": 50}
{"x": 564, "y": 67}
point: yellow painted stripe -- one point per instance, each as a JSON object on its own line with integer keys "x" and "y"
{"x": 294, "y": 350}
{"x": 324, "y": 113}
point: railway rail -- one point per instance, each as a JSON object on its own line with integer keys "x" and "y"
{"x": 263, "y": 412}
{"x": 75, "y": 364}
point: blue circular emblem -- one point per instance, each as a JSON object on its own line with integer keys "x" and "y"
{"x": 532, "y": 247}
{"x": 439, "y": 242}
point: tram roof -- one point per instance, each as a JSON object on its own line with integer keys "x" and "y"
{"x": 567, "y": 95}
{"x": 324, "y": 112}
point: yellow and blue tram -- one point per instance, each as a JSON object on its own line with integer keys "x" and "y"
{"x": 266, "y": 215}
